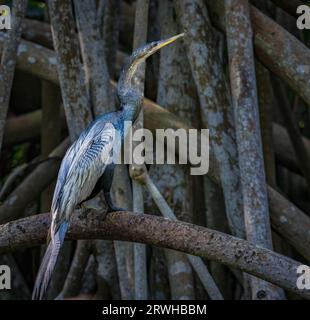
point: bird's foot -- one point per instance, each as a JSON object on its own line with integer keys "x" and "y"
{"x": 110, "y": 204}
{"x": 93, "y": 204}
{"x": 83, "y": 211}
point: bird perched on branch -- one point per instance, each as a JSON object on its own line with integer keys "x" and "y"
{"x": 88, "y": 165}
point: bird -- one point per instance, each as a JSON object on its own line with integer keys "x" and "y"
{"x": 88, "y": 165}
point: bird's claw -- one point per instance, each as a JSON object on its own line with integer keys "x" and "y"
{"x": 83, "y": 211}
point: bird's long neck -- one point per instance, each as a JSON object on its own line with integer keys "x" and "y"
{"x": 131, "y": 106}
{"x": 126, "y": 79}
{"x": 130, "y": 95}
{"x": 128, "y": 89}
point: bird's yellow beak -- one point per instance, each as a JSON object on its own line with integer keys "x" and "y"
{"x": 157, "y": 45}
{"x": 139, "y": 56}
{"x": 163, "y": 43}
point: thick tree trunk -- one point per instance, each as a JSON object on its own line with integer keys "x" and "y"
{"x": 250, "y": 151}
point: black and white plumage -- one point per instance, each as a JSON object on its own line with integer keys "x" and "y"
{"x": 84, "y": 162}
{"x": 88, "y": 165}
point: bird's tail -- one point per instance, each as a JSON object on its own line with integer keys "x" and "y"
{"x": 49, "y": 261}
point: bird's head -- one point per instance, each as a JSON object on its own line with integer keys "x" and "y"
{"x": 142, "y": 53}
{"x": 139, "y": 56}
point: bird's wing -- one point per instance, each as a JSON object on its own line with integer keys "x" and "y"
{"x": 92, "y": 159}
{"x": 63, "y": 171}
{"x": 82, "y": 166}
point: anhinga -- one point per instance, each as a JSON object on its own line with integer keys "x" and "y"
{"x": 88, "y": 165}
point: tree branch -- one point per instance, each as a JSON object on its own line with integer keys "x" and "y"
{"x": 278, "y": 50}
{"x": 38, "y": 32}
{"x": 216, "y": 113}
{"x": 92, "y": 47}
{"x": 250, "y": 151}
{"x": 197, "y": 264}
{"x": 177, "y": 95}
{"x": 69, "y": 67}
{"x": 8, "y": 60}
{"x": 297, "y": 225}
{"x": 32, "y": 186}
{"x": 176, "y": 235}
{"x": 287, "y": 219}
{"x": 139, "y": 38}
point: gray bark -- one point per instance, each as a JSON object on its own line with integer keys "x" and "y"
{"x": 8, "y": 60}
{"x": 96, "y": 70}
{"x": 140, "y": 37}
{"x": 215, "y": 103}
{"x": 70, "y": 71}
{"x": 177, "y": 94}
{"x": 197, "y": 264}
{"x": 278, "y": 50}
{"x": 176, "y": 235}
{"x": 251, "y": 160}
{"x": 123, "y": 250}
